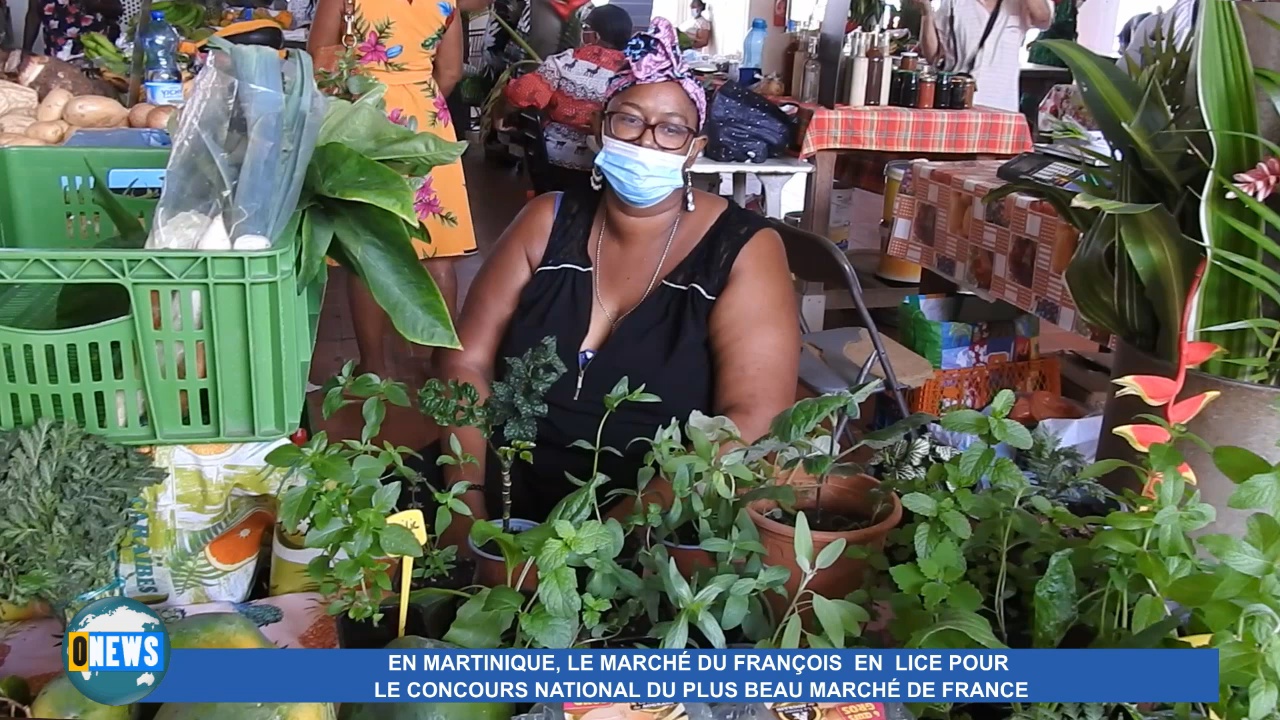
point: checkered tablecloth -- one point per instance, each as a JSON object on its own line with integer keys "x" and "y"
{"x": 1015, "y": 249}
{"x": 980, "y": 131}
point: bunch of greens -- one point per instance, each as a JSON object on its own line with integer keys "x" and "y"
{"x": 65, "y": 499}
{"x": 358, "y": 207}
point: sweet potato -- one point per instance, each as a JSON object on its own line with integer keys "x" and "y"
{"x": 12, "y": 140}
{"x": 51, "y": 132}
{"x": 95, "y": 112}
{"x": 158, "y": 119}
{"x": 138, "y": 115}
{"x": 53, "y": 104}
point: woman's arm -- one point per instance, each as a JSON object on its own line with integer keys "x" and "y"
{"x": 450, "y": 55}
{"x": 326, "y": 26}
{"x": 1037, "y": 13}
{"x": 32, "y": 28}
{"x": 755, "y": 338}
{"x": 931, "y": 48}
{"x": 490, "y": 304}
{"x": 701, "y": 35}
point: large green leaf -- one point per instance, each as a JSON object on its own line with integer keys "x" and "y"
{"x": 1055, "y": 601}
{"x": 317, "y": 236}
{"x": 376, "y": 244}
{"x": 1164, "y": 260}
{"x": 364, "y": 127}
{"x": 1091, "y": 277}
{"x": 1226, "y": 93}
{"x": 338, "y": 172}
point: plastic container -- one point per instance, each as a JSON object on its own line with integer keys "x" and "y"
{"x": 162, "y": 78}
{"x": 216, "y": 348}
{"x": 975, "y": 387}
{"x": 753, "y": 46}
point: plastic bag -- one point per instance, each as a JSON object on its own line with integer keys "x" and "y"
{"x": 240, "y": 151}
{"x": 743, "y": 126}
{"x": 198, "y": 535}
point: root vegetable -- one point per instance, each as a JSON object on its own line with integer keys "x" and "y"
{"x": 158, "y": 119}
{"x": 53, "y": 104}
{"x": 14, "y": 97}
{"x": 95, "y": 112}
{"x": 138, "y": 115}
{"x": 16, "y": 123}
{"x": 45, "y": 74}
{"x": 49, "y": 132}
{"x": 12, "y": 140}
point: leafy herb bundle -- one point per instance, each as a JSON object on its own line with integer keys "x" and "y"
{"x": 64, "y": 504}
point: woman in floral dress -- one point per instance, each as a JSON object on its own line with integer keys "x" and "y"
{"x": 415, "y": 48}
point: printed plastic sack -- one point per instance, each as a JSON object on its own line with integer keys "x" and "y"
{"x": 961, "y": 332}
{"x": 197, "y": 536}
{"x": 289, "y": 560}
{"x": 743, "y": 126}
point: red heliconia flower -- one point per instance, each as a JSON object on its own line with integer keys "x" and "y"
{"x": 1153, "y": 480}
{"x": 1184, "y": 411}
{"x": 1259, "y": 182}
{"x": 1198, "y": 352}
{"x": 1144, "y": 437}
{"x": 1154, "y": 390}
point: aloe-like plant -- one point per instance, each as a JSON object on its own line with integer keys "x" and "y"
{"x": 1163, "y": 199}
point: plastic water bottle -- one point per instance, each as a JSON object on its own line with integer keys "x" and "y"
{"x": 162, "y": 79}
{"x": 753, "y": 48}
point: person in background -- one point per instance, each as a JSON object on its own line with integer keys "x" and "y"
{"x": 983, "y": 38}
{"x": 569, "y": 88}
{"x": 1179, "y": 20}
{"x": 676, "y": 289}
{"x": 698, "y": 27}
{"x": 64, "y": 21}
{"x": 414, "y": 50}
{"x": 1063, "y": 27}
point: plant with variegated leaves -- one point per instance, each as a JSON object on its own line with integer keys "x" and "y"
{"x": 1162, "y": 392}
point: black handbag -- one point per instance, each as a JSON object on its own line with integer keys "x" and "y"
{"x": 743, "y": 126}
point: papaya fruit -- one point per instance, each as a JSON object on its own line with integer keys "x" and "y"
{"x": 60, "y": 700}
{"x": 245, "y": 711}
{"x": 216, "y": 631}
{"x": 425, "y": 710}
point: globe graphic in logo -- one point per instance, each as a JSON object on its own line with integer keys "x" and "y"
{"x": 115, "y": 687}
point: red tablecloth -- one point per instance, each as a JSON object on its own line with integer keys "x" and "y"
{"x": 980, "y": 131}
{"x": 1014, "y": 250}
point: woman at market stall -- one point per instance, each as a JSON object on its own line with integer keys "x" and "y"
{"x": 645, "y": 278}
{"x": 569, "y": 88}
{"x": 414, "y": 50}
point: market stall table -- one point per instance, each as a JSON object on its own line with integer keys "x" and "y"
{"x": 1015, "y": 249}
{"x": 773, "y": 174}
{"x": 824, "y": 134}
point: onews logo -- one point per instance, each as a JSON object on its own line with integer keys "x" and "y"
{"x": 116, "y": 651}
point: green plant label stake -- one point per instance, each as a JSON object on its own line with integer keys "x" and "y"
{"x": 414, "y": 522}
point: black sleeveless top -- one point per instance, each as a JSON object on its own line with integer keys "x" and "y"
{"x": 664, "y": 344}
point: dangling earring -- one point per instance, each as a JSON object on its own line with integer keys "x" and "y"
{"x": 688, "y": 191}
{"x": 597, "y": 180}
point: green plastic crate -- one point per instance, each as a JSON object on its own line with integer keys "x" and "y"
{"x": 216, "y": 349}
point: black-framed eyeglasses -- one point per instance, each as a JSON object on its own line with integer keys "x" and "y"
{"x": 630, "y": 128}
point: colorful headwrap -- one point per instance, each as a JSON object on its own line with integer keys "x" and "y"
{"x": 653, "y": 56}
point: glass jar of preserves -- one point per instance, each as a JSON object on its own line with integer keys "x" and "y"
{"x": 910, "y": 93}
{"x": 909, "y": 61}
{"x": 927, "y": 93}
{"x": 942, "y": 91}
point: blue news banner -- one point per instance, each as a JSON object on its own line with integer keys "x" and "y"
{"x": 557, "y": 676}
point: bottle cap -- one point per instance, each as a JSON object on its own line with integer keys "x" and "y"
{"x": 157, "y": 15}
{"x": 759, "y": 24}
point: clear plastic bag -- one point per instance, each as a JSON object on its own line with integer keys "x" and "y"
{"x": 240, "y": 151}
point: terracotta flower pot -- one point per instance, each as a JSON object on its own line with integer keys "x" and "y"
{"x": 689, "y": 558}
{"x": 491, "y": 570}
{"x": 843, "y": 495}
{"x": 1243, "y": 416}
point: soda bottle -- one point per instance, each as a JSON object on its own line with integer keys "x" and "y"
{"x": 162, "y": 78}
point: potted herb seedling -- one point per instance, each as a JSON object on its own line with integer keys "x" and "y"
{"x": 339, "y": 498}
{"x": 508, "y": 421}
{"x": 840, "y": 502}
{"x": 66, "y": 497}
{"x": 712, "y": 475}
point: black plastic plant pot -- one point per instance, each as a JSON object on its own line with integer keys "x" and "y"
{"x": 367, "y": 635}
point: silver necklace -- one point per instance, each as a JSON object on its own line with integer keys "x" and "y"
{"x": 595, "y": 274}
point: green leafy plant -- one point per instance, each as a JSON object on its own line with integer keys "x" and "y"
{"x": 357, "y": 207}
{"x": 838, "y": 618}
{"x": 65, "y": 502}
{"x": 340, "y": 497}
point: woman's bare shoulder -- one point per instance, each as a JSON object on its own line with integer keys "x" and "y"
{"x": 531, "y": 229}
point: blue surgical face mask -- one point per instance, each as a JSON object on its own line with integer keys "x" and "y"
{"x": 641, "y": 176}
